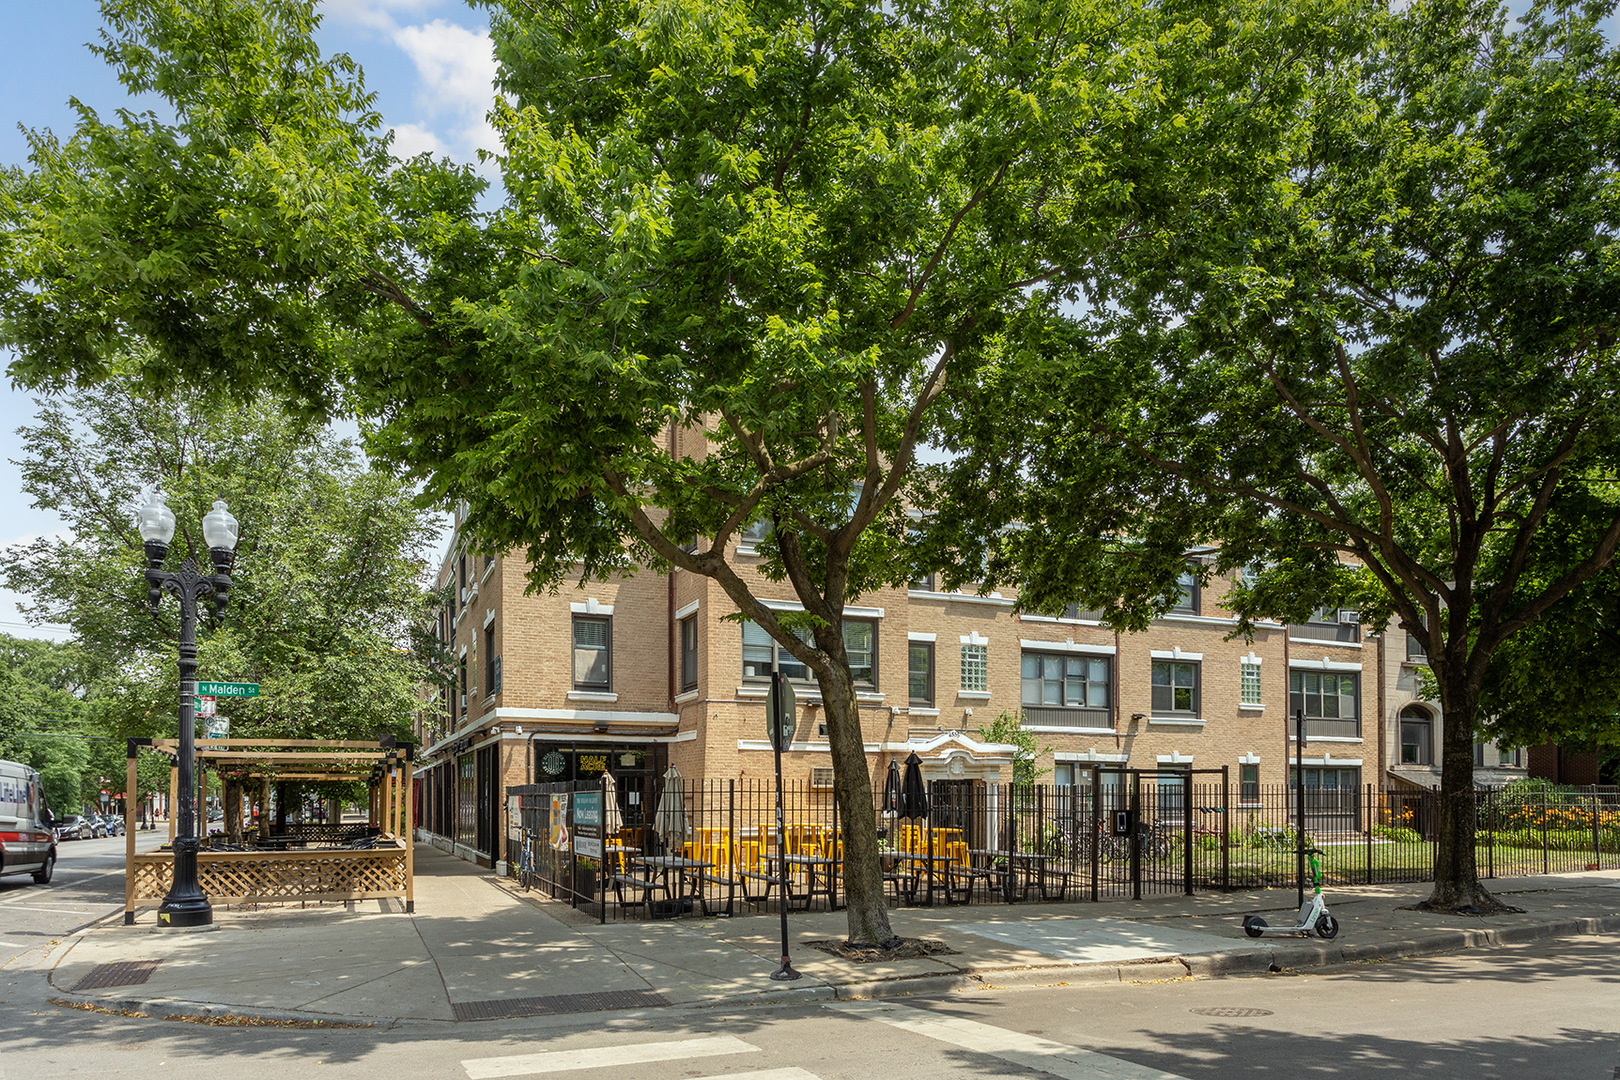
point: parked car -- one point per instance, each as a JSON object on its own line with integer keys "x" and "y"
{"x": 75, "y": 827}
{"x": 111, "y": 824}
{"x": 27, "y": 829}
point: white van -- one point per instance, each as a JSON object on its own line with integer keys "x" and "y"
{"x": 27, "y": 839}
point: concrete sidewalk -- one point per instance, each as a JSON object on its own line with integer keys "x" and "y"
{"x": 479, "y": 948}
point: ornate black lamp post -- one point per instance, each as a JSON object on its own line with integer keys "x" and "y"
{"x": 186, "y": 905}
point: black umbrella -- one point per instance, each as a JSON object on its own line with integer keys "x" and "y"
{"x": 913, "y": 792}
{"x": 891, "y": 790}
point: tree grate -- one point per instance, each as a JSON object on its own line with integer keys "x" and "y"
{"x": 504, "y": 1008}
{"x": 123, "y": 973}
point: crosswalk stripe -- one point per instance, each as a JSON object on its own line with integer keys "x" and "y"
{"x": 604, "y": 1056}
{"x": 1059, "y": 1059}
{"x": 792, "y": 1072}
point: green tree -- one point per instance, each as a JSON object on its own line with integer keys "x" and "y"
{"x": 327, "y": 587}
{"x": 1008, "y": 727}
{"x": 1382, "y": 379}
{"x": 818, "y": 234}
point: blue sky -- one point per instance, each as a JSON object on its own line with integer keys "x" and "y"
{"x": 428, "y": 60}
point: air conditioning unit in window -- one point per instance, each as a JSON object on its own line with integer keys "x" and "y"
{"x": 821, "y": 777}
{"x": 1350, "y": 615}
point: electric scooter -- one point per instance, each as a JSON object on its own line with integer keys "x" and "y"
{"x": 1313, "y": 916}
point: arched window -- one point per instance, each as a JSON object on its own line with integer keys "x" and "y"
{"x": 1417, "y": 736}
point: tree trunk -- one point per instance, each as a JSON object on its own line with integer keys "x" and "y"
{"x": 866, "y": 908}
{"x": 230, "y": 793}
{"x": 1456, "y": 875}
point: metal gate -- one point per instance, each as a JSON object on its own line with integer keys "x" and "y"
{"x": 1137, "y": 832}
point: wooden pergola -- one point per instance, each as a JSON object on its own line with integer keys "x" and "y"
{"x": 290, "y": 870}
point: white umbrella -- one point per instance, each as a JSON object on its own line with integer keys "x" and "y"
{"x": 612, "y": 820}
{"x": 669, "y": 821}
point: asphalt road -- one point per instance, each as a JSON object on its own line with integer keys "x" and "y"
{"x": 87, "y": 885}
{"x": 1541, "y": 1010}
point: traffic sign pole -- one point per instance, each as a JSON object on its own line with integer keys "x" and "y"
{"x": 781, "y": 722}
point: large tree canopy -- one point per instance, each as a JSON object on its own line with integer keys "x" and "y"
{"x": 328, "y": 588}
{"x": 818, "y": 233}
{"x": 1383, "y": 378}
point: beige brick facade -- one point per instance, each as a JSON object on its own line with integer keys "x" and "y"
{"x": 715, "y": 729}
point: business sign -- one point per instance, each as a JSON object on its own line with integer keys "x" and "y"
{"x": 560, "y": 840}
{"x": 588, "y": 824}
{"x": 229, "y": 689}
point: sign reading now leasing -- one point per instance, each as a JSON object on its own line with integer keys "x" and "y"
{"x": 228, "y": 689}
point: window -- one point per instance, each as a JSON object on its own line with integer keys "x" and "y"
{"x": 1074, "y": 682}
{"x": 860, "y": 645}
{"x": 760, "y": 652}
{"x": 920, "y": 672}
{"x": 1416, "y": 736}
{"x": 1249, "y": 685}
{"x": 753, "y": 534}
{"x": 592, "y": 652}
{"x": 975, "y": 668}
{"x": 1063, "y": 774}
{"x": 489, "y": 561}
{"x": 1074, "y": 611}
{"x": 492, "y": 663}
{"x": 461, "y": 574}
{"x": 1510, "y": 758}
{"x": 463, "y": 686}
{"x": 1249, "y": 783}
{"x": 1187, "y": 585}
{"x": 1175, "y": 688}
{"x": 689, "y": 653}
{"x": 1479, "y": 755}
{"x": 922, "y": 583}
{"x": 1324, "y": 695}
{"x": 1414, "y": 649}
{"x": 1173, "y": 791}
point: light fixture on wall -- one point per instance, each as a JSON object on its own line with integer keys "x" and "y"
{"x": 1138, "y": 716}
{"x": 600, "y": 725}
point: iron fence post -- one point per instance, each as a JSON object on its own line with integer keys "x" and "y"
{"x": 1186, "y": 834}
{"x": 1596, "y": 856}
{"x": 1095, "y": 834}
{"x": 1136, "y": 836}
{"x": 1546, "y": 854}
{"x": 1226, "y": 828}
{"x": 1371, "y": 817}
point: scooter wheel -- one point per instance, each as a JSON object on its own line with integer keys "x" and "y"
{"x": 1327, "y": 927}
{"x": 1253, "y": 925}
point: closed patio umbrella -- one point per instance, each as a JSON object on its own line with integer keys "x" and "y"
{"x": 612, "y": 820}
{"x": 669, "y": 821}
{"x": 891, "y": 791}
{"x": 913, "y": 790}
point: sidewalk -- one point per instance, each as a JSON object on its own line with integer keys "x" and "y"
{"x": 479, "y": 948}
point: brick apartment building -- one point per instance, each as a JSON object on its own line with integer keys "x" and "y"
{"x": 639, "y": 673}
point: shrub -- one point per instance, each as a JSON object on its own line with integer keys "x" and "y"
{"x": 1398, "y": 833}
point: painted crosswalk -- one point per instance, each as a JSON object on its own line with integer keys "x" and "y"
{"x": 1013, "y": 1047}
{"x": 599, "y": 1057}
{"x": 1030, "y": 1051}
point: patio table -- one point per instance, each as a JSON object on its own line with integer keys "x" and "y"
{"x": 1030, "y": 864}
{"x": 812, "y": 863}
{"x": 667, "y": 864}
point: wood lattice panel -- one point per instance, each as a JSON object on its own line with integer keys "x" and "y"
{"x": 261, "y": 877}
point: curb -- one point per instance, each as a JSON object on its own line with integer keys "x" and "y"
{"x": 1296, "y": 954}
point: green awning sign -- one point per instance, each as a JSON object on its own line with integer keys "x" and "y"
{"x": 228, "y": 689}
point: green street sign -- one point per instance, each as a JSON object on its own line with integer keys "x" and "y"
{"x": 228, "y": 689}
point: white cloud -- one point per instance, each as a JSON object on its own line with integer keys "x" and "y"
{"x": 377, "y": 14}
{"x": 413, "y": 139}
{"x": 456, "y": 69}
{"x": 457, "y": 66}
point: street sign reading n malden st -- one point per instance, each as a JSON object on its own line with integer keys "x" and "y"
{"x": 228, "y": 689}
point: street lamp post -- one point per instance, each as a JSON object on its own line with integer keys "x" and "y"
{"x": 186, "y": 904}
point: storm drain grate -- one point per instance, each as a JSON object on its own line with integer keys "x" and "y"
{"x": 502, "y": 1008}
{"x": 123, "y": 973}
{"x": 1230, "y": 1010}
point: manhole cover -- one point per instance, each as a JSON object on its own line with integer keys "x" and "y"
{"x": 1230, "y": 1010}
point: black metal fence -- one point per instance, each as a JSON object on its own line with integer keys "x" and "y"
{"x": 711, "y": 845}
